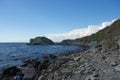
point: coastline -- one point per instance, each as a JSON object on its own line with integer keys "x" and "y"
{"x": 91, "y": 64}
{"x": 31, "y": 63}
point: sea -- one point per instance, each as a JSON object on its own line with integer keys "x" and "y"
{"x": 14, "y": 54}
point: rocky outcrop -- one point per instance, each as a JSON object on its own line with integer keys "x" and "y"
{"x": 92, "y": 64}
{"x": 41, "y": 41}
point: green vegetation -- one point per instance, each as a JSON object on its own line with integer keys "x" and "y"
{"x": 109, "y": 36}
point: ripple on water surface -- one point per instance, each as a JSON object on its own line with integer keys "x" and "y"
{"x": 14, "y": 53}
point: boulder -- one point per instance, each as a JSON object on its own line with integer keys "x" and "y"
{"x": 29, "y": 73}
{"x": 41, "y": 41}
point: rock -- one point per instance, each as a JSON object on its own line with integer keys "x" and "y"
{"x": 10, "y": 72}
{"x": 51, "y": 56}
{"x": 75, "y": 77}
{"x": 41, "y": 41}
{"x": 56, "y": 76}
{"x": 64, "y": 70}
{"x": 29, "y": 73}
{"x": 77, "y": 58}
{"x": 110, "y": 61}
{"x": 119, "y": 43}
{"x": 98, "y": 46}
{"x": 92, "y": 77}
{"x": 34, "y": 63}
{"x": 19, "y": 76}
{"x": 117, "y": 68}
{"x": 50, "y": 76}
{"x": 114, "y": 64}
{"x": 40, "y": 77}
{"x": 44, "y": 63}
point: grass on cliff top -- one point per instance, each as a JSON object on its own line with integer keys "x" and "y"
{"x": 110, "y": 33}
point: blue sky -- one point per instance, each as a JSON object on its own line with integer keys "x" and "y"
{"x": 21, "y": 20}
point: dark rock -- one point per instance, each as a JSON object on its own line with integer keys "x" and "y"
{"x": 96, "y": 75}
{"x": 40, "y": 77}
{"x": 19, "y": 76}
{"x": 41, "y": 41}
{"x": 51, "y": 56}
{"x": 10, "y": 72}
{"x": 104, "y": 57}
{"x": 24, "y": 65}
{"x": 44, "y": 63}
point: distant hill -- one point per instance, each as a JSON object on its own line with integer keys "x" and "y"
{"x": 108, "y": 36}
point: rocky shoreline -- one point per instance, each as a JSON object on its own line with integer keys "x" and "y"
{"x": 92, "y": 64}
{"x": 39, "y": 63}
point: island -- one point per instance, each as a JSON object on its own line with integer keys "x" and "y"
{"x": 41, "y": 41}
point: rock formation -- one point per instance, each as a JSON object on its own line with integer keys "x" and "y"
{"x": 41, "y": 41}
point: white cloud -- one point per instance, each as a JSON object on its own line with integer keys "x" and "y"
{"x": 78, "y": 33}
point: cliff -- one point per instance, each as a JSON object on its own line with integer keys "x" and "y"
{"x": 108, "y": 35}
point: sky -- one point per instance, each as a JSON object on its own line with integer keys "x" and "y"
{"x": 21, "y": 20}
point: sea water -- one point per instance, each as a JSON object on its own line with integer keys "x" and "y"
{"x": 13, "y": 54}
